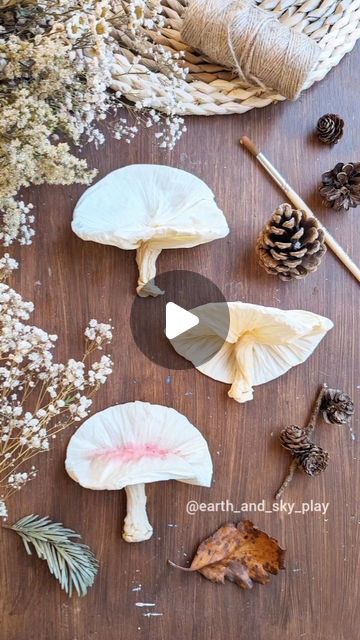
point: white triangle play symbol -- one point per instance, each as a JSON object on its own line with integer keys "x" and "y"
{"x": 178, "y": 320}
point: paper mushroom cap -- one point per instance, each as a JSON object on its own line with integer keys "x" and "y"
{"x": 134, "y": 443}
{"x": 149, "y": 208}
{"x": 262, "y": 343}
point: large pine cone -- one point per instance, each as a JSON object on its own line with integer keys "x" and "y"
{"x": 336, "y": 407}
{"x": 295, "y": 440}
{"x": 314, "y": 461}
{"x": 330, "y": 128}
{"x": 291, "y": 245}
{"x": 341, "y": 186}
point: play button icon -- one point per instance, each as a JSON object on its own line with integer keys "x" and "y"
{"x": 178, "y": 320}
{"x": 160, "y": 326}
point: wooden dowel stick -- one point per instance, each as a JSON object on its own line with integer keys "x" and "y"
{"x": 300, "y": 204}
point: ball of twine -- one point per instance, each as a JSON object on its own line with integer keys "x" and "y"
{"x": 263, "y": 51}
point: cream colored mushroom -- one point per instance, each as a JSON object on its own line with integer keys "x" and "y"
{"x": 128, "y": 445}
{"x": 262, "y": 343}
{"x": 149, "y": 208}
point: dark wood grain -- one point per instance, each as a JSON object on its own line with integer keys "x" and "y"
{"x": 70, "y": 281}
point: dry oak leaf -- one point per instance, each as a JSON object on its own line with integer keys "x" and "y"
{"x": 240, "y": 553}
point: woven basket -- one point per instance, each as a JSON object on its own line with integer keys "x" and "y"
{"x": 214, "y": 90}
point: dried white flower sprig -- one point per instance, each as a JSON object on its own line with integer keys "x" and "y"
{"x": 39, "y": 398}
{"x": 56, "y": 59}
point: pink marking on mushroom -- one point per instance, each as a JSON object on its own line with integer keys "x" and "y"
{"x": 132, "y": 452}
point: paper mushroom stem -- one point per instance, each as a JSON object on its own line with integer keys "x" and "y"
{"x": 241, "y": 389}
{"x": 146, "y": 256}
{"x": 136, "y": 526}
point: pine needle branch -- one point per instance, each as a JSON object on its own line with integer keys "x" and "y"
{"x": 71, "y": 563}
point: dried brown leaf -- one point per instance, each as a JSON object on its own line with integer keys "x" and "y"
{"x": 240, "y": 553}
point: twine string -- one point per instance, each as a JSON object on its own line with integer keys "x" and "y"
{"x": 261, "y": 49}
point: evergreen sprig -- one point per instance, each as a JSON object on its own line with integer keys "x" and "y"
{"x": 71, "y": 563}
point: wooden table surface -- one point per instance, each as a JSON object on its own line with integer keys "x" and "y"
{"x": 71, "y": 281}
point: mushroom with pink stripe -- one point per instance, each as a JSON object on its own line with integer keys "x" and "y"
{"x": 129, "y": 445}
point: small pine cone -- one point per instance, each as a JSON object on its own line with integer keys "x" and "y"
{"x": 330, "y": 128}
{"x": 341, "y": 186}
{"x": 291, "y": 244}
{"x": 314, "y": 461}
{"x": 336, "y": 407}
{"x": 295, "y": 440}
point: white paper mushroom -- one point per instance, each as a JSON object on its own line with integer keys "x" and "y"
{"x": 149, "y": 208}
{"x": 262, "y": 343}
{"x": 128, "y": 445}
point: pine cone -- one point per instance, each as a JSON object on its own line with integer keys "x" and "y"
{"x": 336, "y": 407}
{"x": 291, "y": 244}
{"x": 330, "y": 128}
{"x": 295, "y": 440}
{"x": 314, "y": 461}
{"x": 341, "y": 186}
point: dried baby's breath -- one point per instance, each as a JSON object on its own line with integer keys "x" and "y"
{"x": 56, "y": 59}
{"x": 38, "y": 397}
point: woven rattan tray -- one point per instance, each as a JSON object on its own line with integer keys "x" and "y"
{"x": 214, "y": 90}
